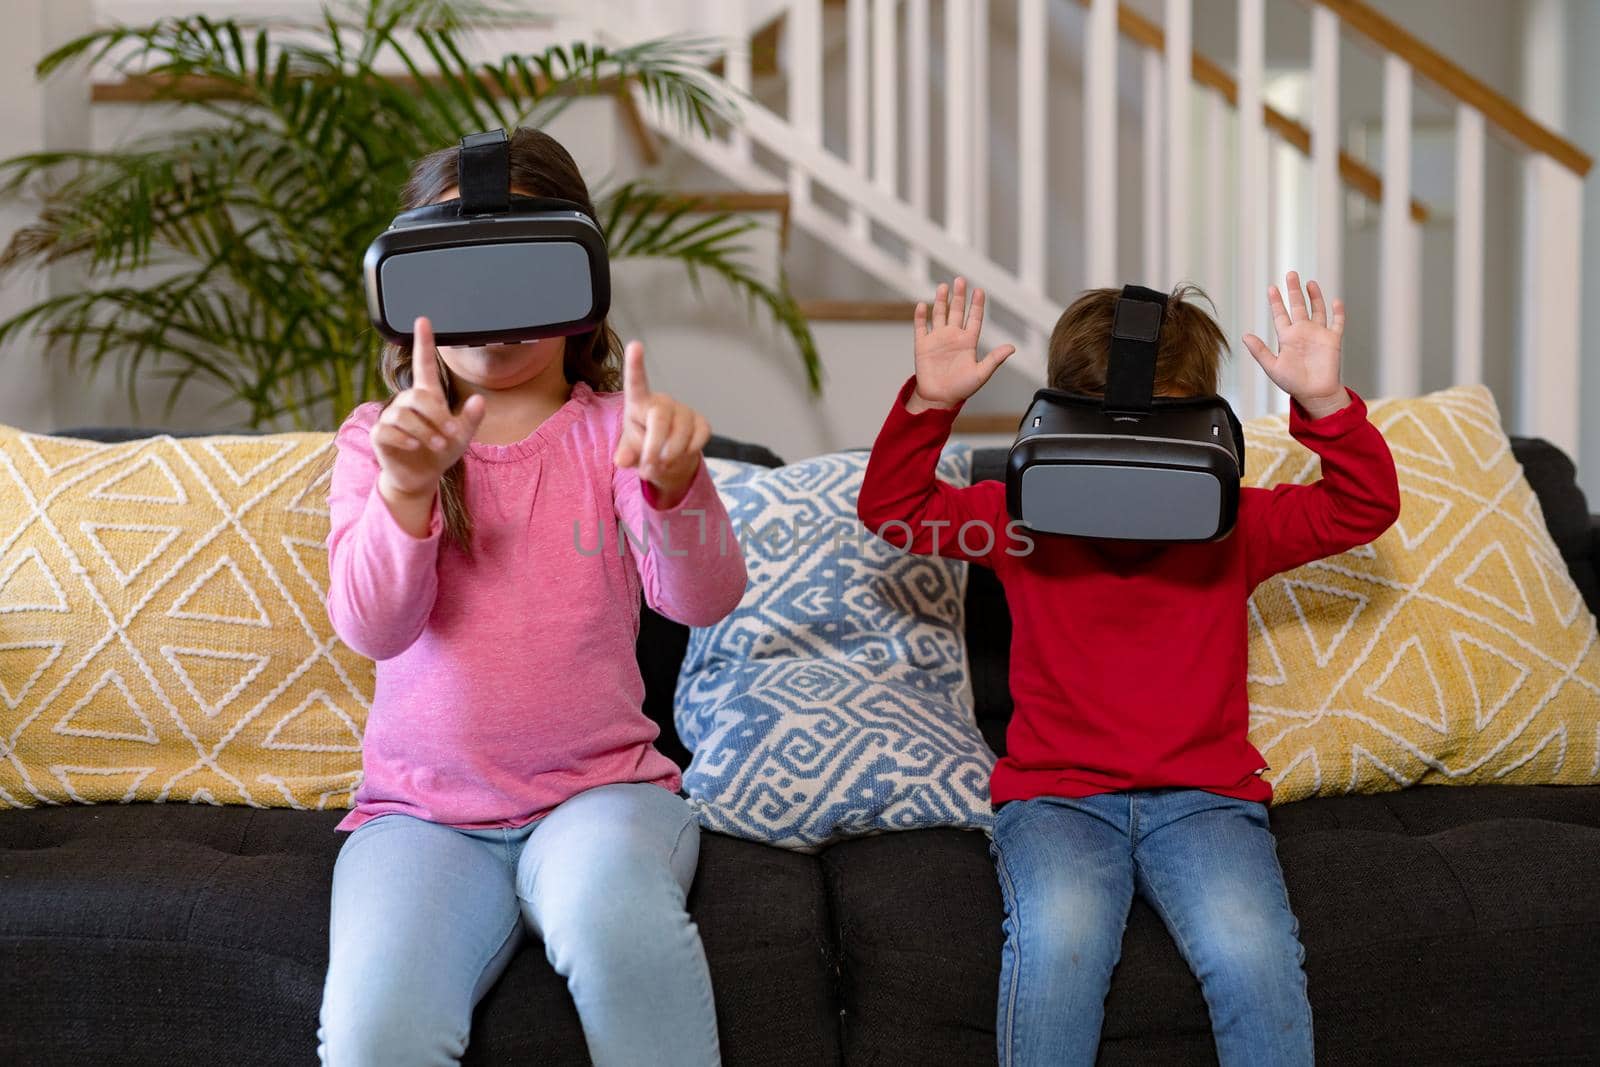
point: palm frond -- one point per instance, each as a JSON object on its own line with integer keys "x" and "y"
{"x": 227, "y": 250}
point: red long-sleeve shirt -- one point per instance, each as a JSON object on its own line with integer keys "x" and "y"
{"x": 1128, "y": 661}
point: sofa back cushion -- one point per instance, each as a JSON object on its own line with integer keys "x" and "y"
{"x": 833, "y": 702}
{"x": 162, "y": 629}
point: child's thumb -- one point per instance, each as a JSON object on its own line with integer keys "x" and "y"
{"x": 992, "y": 361}
{"x": 627, "y": 453}
{"x": 1258, "y": 349}
{"x": 472, "y": 412}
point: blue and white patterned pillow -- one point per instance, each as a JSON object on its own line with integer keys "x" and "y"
{"x": 835, "y": 700}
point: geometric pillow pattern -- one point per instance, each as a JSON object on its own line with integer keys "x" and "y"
{"x": 163, "y": 634}
{"x": 1454, "y": 649}
{"x": 835, "y": 700}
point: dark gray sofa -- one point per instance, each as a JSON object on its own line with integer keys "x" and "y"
{"x": 1442, "y": 925}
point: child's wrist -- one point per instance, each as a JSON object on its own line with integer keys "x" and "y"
{"x": 411, "y": 510}
{"x": 916, "y": 404}
{"x": 1318, "y": 407}
{"x": 396, "y": 493}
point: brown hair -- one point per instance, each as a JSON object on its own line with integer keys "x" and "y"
{"x": 540, "y": 166}
{"x": 1187, "y": 363}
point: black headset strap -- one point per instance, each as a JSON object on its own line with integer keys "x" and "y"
{"x": 483, "y": 173}
{"x": 1135, "y": 339}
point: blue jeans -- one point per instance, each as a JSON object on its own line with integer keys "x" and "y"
{"x": 425, "y": 918}
{"x": 1207, "y": 864}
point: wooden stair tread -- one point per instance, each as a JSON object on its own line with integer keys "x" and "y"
{"x": 979, "y": 422}
{"x": 858, "y": 310}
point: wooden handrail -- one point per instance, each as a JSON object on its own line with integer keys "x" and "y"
{"x": 1356, "y": 174}
{"x": 1505, "y": 116}
{"x": 154, "y": 88}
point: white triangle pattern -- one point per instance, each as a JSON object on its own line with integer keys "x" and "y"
{"x": 103, "y": 491}
{"x": 112, "y": 678}
{"x": 14, "y": 700}
{"x": 27, "y": 556}
{"x": 180, "y": 611}
{"x": 258, "y": 663}
{"x": 218, "y": 446}
{"x": 92, "y": 530}
{"x": 319, "y": 700}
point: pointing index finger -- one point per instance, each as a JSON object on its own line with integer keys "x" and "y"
{"x": 635, "y": 383}
{"x": 424, "y": 358}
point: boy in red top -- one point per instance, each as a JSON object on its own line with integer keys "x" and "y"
{"x": 1128, "y": 769}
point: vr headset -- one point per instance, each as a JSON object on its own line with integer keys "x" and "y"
{"x": 1130, "y": 466}
{"x": 488, "y": 267}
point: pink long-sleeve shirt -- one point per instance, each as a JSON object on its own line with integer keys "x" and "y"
{"x": 507, "y": 680}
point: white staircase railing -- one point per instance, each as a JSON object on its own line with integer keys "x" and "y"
{"x": 880, "y": 168}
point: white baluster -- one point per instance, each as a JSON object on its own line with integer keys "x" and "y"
{"x": 1250, "y": 290}
{"x": 1154, "y": 131}
{"x": 957, "y": 123}
{"x": 1216, "y": 276}
{"x": 1100, "y": 144}
{"x": 1467, "y": 290}
{"x": 978, "y": 169}
{"x": 736, "y": 61}
{"x": 805, "y": 85}
{"x": 1276, "y": 214}
{"x": 1548, "y": 394}
{"x": 1399, "y": 369}
{"x": 885, "y": 97}
{"x": 856, "y": 45}
{"x": 1032, "y": 88}
{"x": 917, "y": 44}
{"x": 1327, "y": 193}
{"x": 1180, "y": 64}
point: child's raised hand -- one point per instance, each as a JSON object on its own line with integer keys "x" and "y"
{"x": 661, "y": 436}
{"x": 948, "y": 368}
{"x": 418, "y": 437}
{"x": 1306, "y": 365}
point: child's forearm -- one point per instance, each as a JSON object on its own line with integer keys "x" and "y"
{"x": 1354, "y": 502}
{"x": 382, "y": 581}
{"x": 413, "y": 512}
{"x": 691, "y": 565}
{"x": 903, "y": 501}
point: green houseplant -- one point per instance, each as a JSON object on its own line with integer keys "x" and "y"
{"x": 229, "y": 250}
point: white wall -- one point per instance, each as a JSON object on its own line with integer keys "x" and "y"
{"x": 1583, "y": 42}
{"x": 25, "y": 395}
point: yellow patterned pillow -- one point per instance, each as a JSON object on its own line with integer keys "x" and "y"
{"x": 1454, "y": 649}
{"x": 162, "y": 628}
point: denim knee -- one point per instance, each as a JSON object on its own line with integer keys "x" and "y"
{"x": 381, "y": 1026}
{"x": 1250, "y": 950}
{"x": 620, "y": 934}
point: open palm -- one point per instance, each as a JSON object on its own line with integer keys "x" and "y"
{"x": 948, "y": 368}
{"x": 1306, "y": 365}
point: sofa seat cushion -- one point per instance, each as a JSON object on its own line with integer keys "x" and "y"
{"x": 1429, "y": 916}
{"x": 918, "y": 920}
{"x": 209, "y": 926}
{"x": 1432, "y": 917}
{"x": 761, "y": 917}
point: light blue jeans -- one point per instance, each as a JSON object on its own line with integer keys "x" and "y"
{"x": 425, "y": 918}
{"x": 1207, "y": 864}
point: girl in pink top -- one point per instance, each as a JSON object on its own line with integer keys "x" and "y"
{"x": 511, "y": 785}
